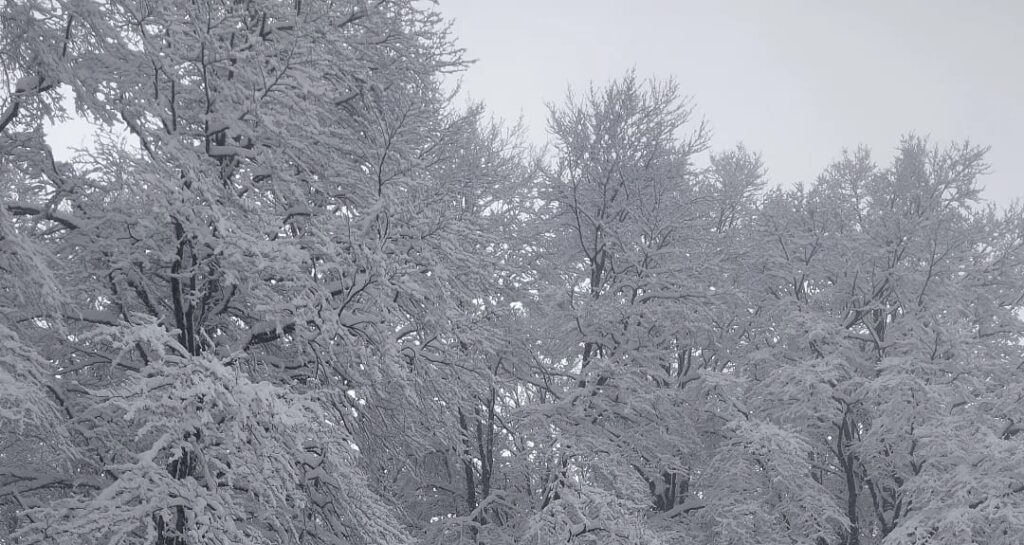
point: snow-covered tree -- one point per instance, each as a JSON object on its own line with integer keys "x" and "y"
{"x": 892, "y": 343}
{"x": 293, "y": 294}
{"x": 274, "y": 234}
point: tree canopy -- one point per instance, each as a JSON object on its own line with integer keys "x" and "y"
{"x": 296, "y": 293}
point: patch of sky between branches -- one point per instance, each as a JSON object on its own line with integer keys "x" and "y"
{"x": 73, "y": 133}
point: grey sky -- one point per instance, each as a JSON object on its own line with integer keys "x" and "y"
{"x": 796, "y": 80}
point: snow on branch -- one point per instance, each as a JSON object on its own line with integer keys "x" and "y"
{"x": 25, "y": 209}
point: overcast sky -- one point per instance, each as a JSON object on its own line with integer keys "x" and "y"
{"x": 796, "y": 80}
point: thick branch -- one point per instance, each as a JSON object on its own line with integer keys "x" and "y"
{"x": 25, "y": 209}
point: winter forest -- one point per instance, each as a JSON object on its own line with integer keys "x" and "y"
{"x": 296, "y": 292}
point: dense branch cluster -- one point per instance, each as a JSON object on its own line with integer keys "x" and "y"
{"x": 294, "y": 294}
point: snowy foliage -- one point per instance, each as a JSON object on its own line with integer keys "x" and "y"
{"x": 294, "y": 294}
